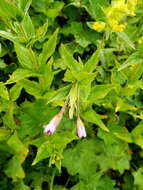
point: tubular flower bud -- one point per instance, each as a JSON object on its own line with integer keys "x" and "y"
{"x": 80, "y": 128}
{"x": 52, "y": 125}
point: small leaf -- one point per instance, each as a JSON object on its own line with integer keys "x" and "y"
{"x": 137, "y": 134}
{"x": 69, "y": 60}
{"x": 15, "y": 91}
{"x": 93, "y": 117}
{"x": 20, "y": 74}
{"x": 14, "y": 169}
{"x": 99, "y": 92}
{"x": 3, "y": 91}
{"x": 48, "y": 48}
{"x": 28, "y": 26}
{"x": 9, "y": 10}
{"x": 32, "y": 87}
{"x": 124, "y": 36}
{"x": 25, "y": 56}
{"x": 91, "y": 64}
{"x": 4, "y": 134}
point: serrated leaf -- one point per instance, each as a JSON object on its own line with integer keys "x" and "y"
{"x": 26, "y": 57}
{"x": 32, "y": 87}
{"x": 93, "y": 117}
{"x": 9, "y": 10}
{"x": 99, "y": 92}
{"x": 69, "y": 60}
{"x": 20, "y": 74}
{"x": 28, "y": 26}
{"x": 55, "y": 144}
{"x": 91, "y": 64}
{"x": 126, "y": 39}
{"x": 76, "y": 159}
{"x": 48, "y": 48}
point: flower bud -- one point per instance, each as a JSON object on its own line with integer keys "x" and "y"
{"x": 51, "y": 127}
{"x": 80, "y": 128}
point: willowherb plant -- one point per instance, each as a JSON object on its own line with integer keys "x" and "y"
{"x": 71, "y": 95}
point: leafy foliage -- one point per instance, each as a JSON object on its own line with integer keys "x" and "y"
{"x": 62, "y": 62}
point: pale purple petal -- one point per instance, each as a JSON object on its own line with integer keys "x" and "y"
{"x": 51, "y": 127}
{"x": 80, "y": 128}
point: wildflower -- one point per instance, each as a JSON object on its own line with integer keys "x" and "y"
{"x": 116, "y": 27}
{"x": 114, "y": 23}
{"x": 80, "y": 128}
{"x": 98, "y": 26}
{"x": 52, "y": 125}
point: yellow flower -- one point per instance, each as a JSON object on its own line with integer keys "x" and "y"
{"x": 99, "y": 26}
{"x": 116, "y": 27}
{"x": 114, "y": 23}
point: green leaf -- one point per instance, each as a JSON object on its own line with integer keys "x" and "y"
{"x": 126, "y": 39}
{"x": 14, "y": 169}
{"x": 4, "y": 134}
{"x": 3, "y": 91}
{"x": 48, "y": 48}
{"x": 91, "y": 64}
{"x": 69, "y": 60}
{"x": 32, "y": 87}
{"x": 19, "y": 148}
{"x": 41, "y": 31}
{"x": 24, "y": 5}
{"x": 116, "y": 153}
{"x": 8, "y": 35}
{"x": 76, "y": 159}
{"x": 28, "y": 26}
{"x": 97, "y": 183}
{"x": 93, "y": 117}
{"x": 96, "y": 7}
{"x": 137, "y": 134}
{"x": 99, "y": 92}
{"x": 9, "y": 10}
{"x": 55, "y": 145}
{"x": 138, "y": 178}
{"x": 59, "y": 94}
{"x": 133, "y": 59}
{"x": 33, "y": 116}
{"x": 19, "y": 185}
{"x": 15, "y": 91}
{"x": 20, "y": 74}
{"x": 47, "y": 74}
{"x": 25, "y": 56}
{"x": 55, "y": 8}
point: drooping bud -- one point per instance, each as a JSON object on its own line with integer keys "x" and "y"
{"x": 80, "y": 128}
{"x": 53, "y": 124}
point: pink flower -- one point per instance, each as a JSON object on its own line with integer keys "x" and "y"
{"x": 51, "y": 127}
{"x": 80, "y": 128}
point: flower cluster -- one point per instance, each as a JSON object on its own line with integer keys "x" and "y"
{"x": 53, "y": 124}
{"x": 115, "y": 14}
{"x": 116, "y": 27}
{"x": 99, "y": 26}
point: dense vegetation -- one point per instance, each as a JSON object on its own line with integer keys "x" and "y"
{"x": 71, "y": 95}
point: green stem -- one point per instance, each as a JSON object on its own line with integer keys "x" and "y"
{"x": 52, "y": 179}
